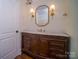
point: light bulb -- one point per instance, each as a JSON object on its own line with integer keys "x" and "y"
{"x": 52, "y": 7}
{"x": 32, "y": 10}
{"x": 52, "y": 10}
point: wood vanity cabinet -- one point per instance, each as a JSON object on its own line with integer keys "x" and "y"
{"x": 45, "y": 46}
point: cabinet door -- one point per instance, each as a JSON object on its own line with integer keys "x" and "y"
{"x": 43, "y": 51}
{"x": 26, "y": 41}
{"x": 35, "y": 44}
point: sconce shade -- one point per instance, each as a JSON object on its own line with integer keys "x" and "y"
{"x": 52, "y": 10}
{"x": 52, "y": 7}
{"x": 32, "y": 12}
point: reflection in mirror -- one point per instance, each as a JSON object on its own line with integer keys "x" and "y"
{"x": 42, "y": 15}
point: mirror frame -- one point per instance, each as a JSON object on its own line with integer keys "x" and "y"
{"x": 48, "y": 16}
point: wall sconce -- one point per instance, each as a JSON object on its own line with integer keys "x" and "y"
{"x": 32, "y": 11}
{"x": 52, "y": 10}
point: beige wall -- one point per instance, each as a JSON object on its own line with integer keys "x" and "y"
{"x": 58, "y": 23}
{"x": 70, "y": 26}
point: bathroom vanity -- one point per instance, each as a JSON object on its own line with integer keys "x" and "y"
{"x": 45, "y": 46}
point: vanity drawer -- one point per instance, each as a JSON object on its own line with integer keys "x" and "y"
{"x": 57, "y": 47}
{"x": 57, "y": 41}
{"x": 26, "y": 43}
{"x": 54, "y": 50}
{"x": 61, "y": 56}
{"x": 58, "y": 56}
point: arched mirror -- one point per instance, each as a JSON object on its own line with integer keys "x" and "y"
{"x": 42, "y": 15}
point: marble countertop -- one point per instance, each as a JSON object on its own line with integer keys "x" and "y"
{"x": 48, "y": 33}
